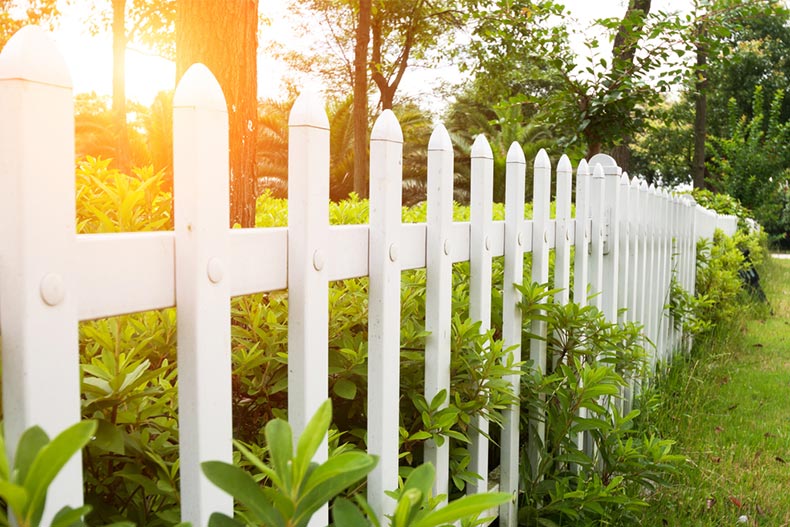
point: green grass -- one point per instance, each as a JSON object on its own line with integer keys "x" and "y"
{"x": 728, "y": 407}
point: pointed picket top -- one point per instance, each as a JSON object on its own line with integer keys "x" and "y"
{"x": 643, "y": 186}
{"x": 387, "y": 128}
{"x": 624, "y": 179}
{"x": 564, "y": 165}
{"x": 481, "y": 148}
{"x": 309, "y": 111}
{"x": 198, "y": 88}
{"x": 598, "y": 171}
{"x": 31, "y": 55}
{"x": 652, "y": 188}
{"x": 635, "y": 183}
{"x": 440, "y": 139}
{"x": 515, "y": 154}
{"x": 583, "y": 169}
{"x": 542, "y": 161}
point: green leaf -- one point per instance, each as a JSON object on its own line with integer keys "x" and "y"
{"x": 330, "y": 479}
{"x": 14, "y": 495}
{"x": 345, "y": 513}
{"x": 345, "y": 389}
{"x": 244, "y": 489}
{"x": 310, "y": 439}
{"x": 49, "y": 461}
{"x": 68, "y": 517}
{"x": 218, "y": 519}
{"x": 279, "y": 438}
{"x": 30, "y": 443}
{"x": 465, "y": 507}
{"x": 4, "y": 475}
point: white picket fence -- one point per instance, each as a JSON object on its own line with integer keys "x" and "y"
{"x": 631, "y": 237}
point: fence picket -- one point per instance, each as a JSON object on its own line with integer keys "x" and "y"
{"x": 583, "y": 234}
{"x": 564, "y": 231}
{"x": 38, "y": 298}
{"x": 515, "y": 241}
{"x": 482, "y": 194}
{"x": 611, "y": 225}
{"x": 540, "y": 274}
{"x": 597, "y": 236}
{"x": 202, "y": 212}
{"x": 438, "y": 294}
{"x": 386, "y": 174}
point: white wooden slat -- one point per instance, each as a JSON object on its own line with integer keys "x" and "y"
{"x": 625, "y": 249}
{"x": 482, "y": 200}
{"x": 624, "y": 284}
{"x": 38, "y": 308}
{"x": 308, "y": 291}
{"x": 562, "y": 252}
{"x": 582, "y": 241}
{"x": 663, "y": 257}
{"x": 540, "y": 274}
{"x": 644, "y": 259}
{"x": 651, "y": 297}
{"x": 386, "y": 154}
{"x": 201, "y": 214}
{"x": 438, "y": 294}
{"x": 611, "y": 223}
{"x": 635, "y": 266}
{"x": 515, "y": 240}
{"x": 634, "y": 241}
{"x": 597, "y": 229}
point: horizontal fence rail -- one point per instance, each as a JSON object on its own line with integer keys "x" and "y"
{"x": 628, "y": 239}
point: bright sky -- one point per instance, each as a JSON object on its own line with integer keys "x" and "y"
{"x": 90, "y": 57}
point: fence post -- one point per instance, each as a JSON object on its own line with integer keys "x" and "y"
{"x": 308, "y": 289}
{"x": 482, "y": 194}
{"x": 582, "y": 242}
{"x": 515, "y": 241}
{"x": 386, "y": 174}
{"x": 200, "y": 187}
{"x": 541, "y": 200}
{"x": 438, "y": 289}
{"x": 38, "y": 301}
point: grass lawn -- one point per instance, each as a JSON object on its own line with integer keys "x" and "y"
{"x": 728, "y": 407}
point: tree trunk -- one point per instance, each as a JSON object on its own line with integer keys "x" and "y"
{"x": 626, "y": 42}
{"x": 223, "y": 35}
{"x": 700, "y": 115}
{"x": 360, "y": 108}
{"x": 122, "y": 147}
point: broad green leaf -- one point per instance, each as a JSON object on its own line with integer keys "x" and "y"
{"x": 14, "y": 495}
{"x": 465, "y": 507}
{"x": 279, "y": 439}
{"x": 218, "y": 519}
{"x": 345, "y": 513}
{"x": 4, "y": 475}
{"x": 408, "y": 505}
{"x": 244, "y": 489}
{"x": 68, "y": 517}
{"x": 49, "y": 461}
{"x": 30, "y": 443}
{"x": 345, "y": 389}
{"x": 332, "y": 477}
{"x": 310, "y": 439}
{"x": 421, "y": 478}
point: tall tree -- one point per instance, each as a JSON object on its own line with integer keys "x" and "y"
{"x": 119, "y": 85}
{"x": 360, "y": 101}
{"x": 223, "y": 35}
{"x": 602, "y": 102}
